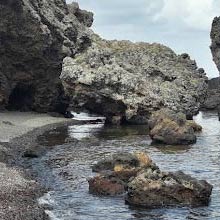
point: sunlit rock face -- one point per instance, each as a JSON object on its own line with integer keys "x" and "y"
{"x": 35, "y": 36}
{"x": 128, "y": 81}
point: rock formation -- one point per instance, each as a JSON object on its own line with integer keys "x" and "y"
{"x": 154, "y": 189}
{"x": 169, "y": 127}
{"x": 215, "y": 37}
{"x": 127, "y": 81}
{"x": 35, "y": 36}
{"x": 212, "y": 101}
{"x": 145, "y": 184}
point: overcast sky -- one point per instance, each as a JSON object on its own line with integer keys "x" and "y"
{"x": 183, "y": 25}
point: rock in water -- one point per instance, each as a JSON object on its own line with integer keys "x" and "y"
{"x": 129, "y": 81}
{"x": 35, "y": 36}
{"x": 146, "y": 185}
{"x": 169, "y": 127}
{"x": 153, "y": 189}
{"x": 116, "y": 171}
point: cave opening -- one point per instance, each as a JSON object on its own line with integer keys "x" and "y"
{"x": 21, "y": 98}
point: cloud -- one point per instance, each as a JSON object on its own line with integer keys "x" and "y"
{"x": 183, "y": 25}
{"x": 194, "y": 14}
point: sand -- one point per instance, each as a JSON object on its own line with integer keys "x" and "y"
{"x": 15, "y": 124}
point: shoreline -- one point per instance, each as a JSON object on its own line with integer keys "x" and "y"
{"x": 19, "y": 190}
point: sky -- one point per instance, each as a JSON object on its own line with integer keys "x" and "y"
{"x": 183, "y": 25}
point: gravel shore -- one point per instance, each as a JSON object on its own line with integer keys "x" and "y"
{"x": 18, "y": 189}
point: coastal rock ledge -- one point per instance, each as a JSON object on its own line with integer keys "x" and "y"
{"x": 127, "y": 81}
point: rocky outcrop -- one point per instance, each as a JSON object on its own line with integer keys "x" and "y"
{"x": 127, "y": 81}
{"x": 145, "y": 185}
{"x": 115, "y": 172}
{"x": 215, "y": 37}
{"x": 35, "y": 36}
{"x": 153, "y": 189}
{"x": 169, "y": 127}
{"x": 212, "y": 101}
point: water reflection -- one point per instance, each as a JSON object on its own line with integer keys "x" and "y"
{"x": 69, "y": 166}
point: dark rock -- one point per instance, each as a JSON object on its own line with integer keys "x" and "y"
{"x": 116, "y": 171}
{"x": 35, "y": 36}
{"x": 172, "y": 128}
{"x": 146, "y": 185}
{"x": 213, "y": 95}
{"x": 31, "y": 154}
{"x": 215, "y": 38}
{"x": 154, "y": 189}
{"x": 68, "y": 114}
{"x": 126, "y": 82}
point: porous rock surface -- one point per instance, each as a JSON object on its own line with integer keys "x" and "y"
{"x": 127, "y": 81}
{"x": 145, "y": 184}
{"x": 169, "y": 127}
{"x": 154, "y": 188}
{"x": 35, "y": 36}
{"x": 212, "y": 101}
{"x": 215, "y": 38}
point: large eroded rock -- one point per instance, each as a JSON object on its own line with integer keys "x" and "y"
{"x": 169, "y": 127}
{"x": 35, "y": 36}
{"x": 127, "y": 81}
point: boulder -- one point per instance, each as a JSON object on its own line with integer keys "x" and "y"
{"x": 154, "y": 189}
{"x": 116, "y": 171}
{"x": 35, "y": 36}
{"x": 127, "y": 81}
{"x": 103, "y": 186}
{"x": 122, "y": 161}
{"x": 212, "y": 101}
{"x": 145, "y": 185}
{"x": 169, "y": 127}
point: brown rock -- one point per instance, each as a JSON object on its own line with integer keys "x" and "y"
{"x": 153, "y": 189}
{"x": 172, "y": 128}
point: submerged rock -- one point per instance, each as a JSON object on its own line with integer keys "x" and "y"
{"x": 153, "y": 189}
{"x": 127, "y": 81}
{"x": 35, "y": 36}
{"x": 169, "y": 127}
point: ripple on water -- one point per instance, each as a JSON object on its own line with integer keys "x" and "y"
{"x": 68, "y": 165}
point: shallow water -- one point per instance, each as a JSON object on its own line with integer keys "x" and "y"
{"x": 67, "y": 166}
